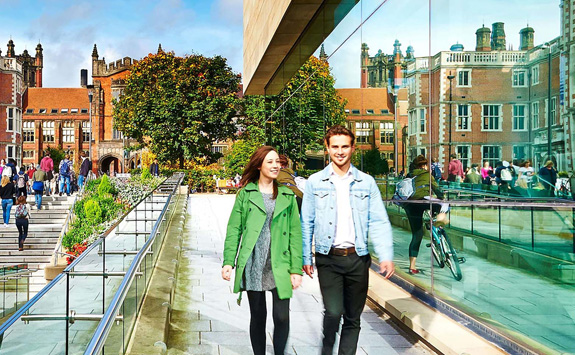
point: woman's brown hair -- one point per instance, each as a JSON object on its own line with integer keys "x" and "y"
{"x": 21, "y": 200}
{"x": 252, "y": 170}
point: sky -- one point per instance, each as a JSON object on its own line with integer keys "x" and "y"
{"x": 68, "y": 29}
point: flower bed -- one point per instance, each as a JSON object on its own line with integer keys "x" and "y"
{"x": 105, "y": 200}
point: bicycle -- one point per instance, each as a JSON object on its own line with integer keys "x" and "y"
{"x": 441, "y": 248}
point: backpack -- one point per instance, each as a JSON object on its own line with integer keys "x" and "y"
{"x": 21, "y": 211}
{"x": 299, "y": 182}
{"x": 435, "y": 171}
{"x": 21, "y": 181}
{"x": 64, "y": 168}
{"x": 404, "y": 189}
{"x": 506, "y": 175}
{"x": 7, "y": 171}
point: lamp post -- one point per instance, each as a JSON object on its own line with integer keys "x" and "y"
{"x": 395, "y": 132}
{"x": 549, "y": 106}
{"x": 450, "y": 77}
{"x": 90, "y": 96}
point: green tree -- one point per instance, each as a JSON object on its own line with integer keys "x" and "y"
{"x": 178, "y": 106}
{"x": 296, "y": 119}
{"x": 373, "y": 164}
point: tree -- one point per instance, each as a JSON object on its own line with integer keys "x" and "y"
{"x": 373, "y": 164}
{"x": 298, "y": 116}
{"x": 178, "y": 106}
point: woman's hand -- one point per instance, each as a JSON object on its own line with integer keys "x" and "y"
{"x": 226, "y": 272}
{"x": 295, "y": 280}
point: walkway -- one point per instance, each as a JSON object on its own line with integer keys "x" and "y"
{"x": 207, "y": 320}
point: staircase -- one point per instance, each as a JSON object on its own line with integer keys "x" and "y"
{"x": 43, "y": 232}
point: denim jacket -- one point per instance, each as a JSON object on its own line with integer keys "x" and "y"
{"x": 318, "y": 216}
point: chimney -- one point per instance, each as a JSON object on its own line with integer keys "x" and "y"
{"x": 483, "y": 36}
{"x": 84, "y": 78}
{"x": 498, "y": 37}
{"x": 527, "y": 38}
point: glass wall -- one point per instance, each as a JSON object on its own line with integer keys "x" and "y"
{"x": 482, "y": 91}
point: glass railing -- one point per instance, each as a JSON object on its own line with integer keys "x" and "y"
{"x": 15, "y": 287}
{"x": 65, "y": 316}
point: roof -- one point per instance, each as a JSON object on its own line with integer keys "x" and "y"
{"x": 49, "y": 98}
{"x": 364, "y": 99}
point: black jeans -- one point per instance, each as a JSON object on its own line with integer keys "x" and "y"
{"x": 343, "y": 281}
{"x": 414, "y": 213}
{"x": 22, "y": 225}
{"x": 258, "y": 311}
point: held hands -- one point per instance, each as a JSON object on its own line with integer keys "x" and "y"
{"x": 226, "y": 272}
{"x": 386, "y": 268}
{"x": 295, "y": 281}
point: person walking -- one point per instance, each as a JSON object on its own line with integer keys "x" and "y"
{"x": 47, "y": 165}
{"x": 264, "y": 232}
{"x": 473, "y": 176}
{"x": 548, "y": 175}
{"x": 65, "y": 170}
{"x": 22, "y": 214}
{"x": 154, "y": 168}
{"x": 455, "y": 169}
{"x": 10, "y": 169}
{"x": 486, "y": 173}
{"x": 414, "y": 211}
{"x": 22, "y": 183}
{"x": 287, "y": 177}
{"x": 7, "y": 192}
{"x": 341, "y": 206}
{"x": 85, "y": 168}
{"x": 38, "y": 186}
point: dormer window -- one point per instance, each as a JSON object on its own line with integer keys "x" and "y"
{"x": 73, "y": 110}
{"x": 42, "y": 110}
{"x": 29, "y": 110}
{"x": 54, "y": 110}
{"x": 84, "y": 110}
{"x": 64, "y": 110}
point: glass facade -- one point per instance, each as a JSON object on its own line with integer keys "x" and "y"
{"x": 474, "y": 80}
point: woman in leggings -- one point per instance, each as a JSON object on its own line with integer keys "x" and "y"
{"x": 264, "y": 245}
{"x": 425, "y": 186}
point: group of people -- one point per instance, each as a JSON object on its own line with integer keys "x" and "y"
{"x": 517, "y": 174}
{"x": 269, "y": 242}
{"x": 16, "y": 184}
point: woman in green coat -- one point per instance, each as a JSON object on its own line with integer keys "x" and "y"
{"x": 264, "y": 244}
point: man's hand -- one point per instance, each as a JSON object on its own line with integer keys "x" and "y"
{"x": 295, "y": 280}
{"x": 226, "y": 272}
{"x": 308, "y": 269}
{"x": 386, "y": 268}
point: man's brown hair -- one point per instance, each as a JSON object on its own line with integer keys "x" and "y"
{"x": 339, "y": 130}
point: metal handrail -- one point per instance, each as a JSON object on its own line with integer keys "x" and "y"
{"x": 6, "y": 325}
{"x": 96, "y": 345}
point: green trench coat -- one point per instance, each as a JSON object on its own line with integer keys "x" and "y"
{"x": 244, "y": 227}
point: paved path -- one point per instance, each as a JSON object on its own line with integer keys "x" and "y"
{"x": 207, "y": 320}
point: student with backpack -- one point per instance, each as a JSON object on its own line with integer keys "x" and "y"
{"x": 22, "y": 183}
{"x": 7, "y": 191}
{"x": 421, "y": 190}
{"x": 22, "y": 214}
{"x": 64, "y": 171}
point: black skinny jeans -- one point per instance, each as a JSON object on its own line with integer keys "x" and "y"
{"x": 22, "y": 225}
{"x": 414, "y": 213}
{"x": 258, "y": 311}
{"x": 343, "y": 281}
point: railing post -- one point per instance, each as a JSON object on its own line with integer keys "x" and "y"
{"x": 67, "y": 309}
{"x": 499, "y": 209}
{"x": 532, "y": 231}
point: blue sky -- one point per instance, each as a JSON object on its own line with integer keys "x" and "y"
{"x": 68, "y": 30}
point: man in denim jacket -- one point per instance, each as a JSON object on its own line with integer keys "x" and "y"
{"x": 342, "y": 207}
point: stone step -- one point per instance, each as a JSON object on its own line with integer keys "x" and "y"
{"x": 24, "y": 253}
{"x": 34, "y": 259}
{"x": 7, "y": 236}
{"x": 28, "y": 246}
{"x": 31, "y": 265}
{"x": 39, "y": 220}
{"x": 32, "y": 198}
{"x": 35, "y": 227}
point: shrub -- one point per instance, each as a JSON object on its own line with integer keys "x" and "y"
{"x": 146, "y": 175}
{"x": 105, "y": 189}
{"x": 93, "y": 211}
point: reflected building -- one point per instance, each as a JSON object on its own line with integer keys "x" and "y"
{"x": 489, "y": 104}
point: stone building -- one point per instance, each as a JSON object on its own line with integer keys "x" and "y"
{"x": 11, "y": 90}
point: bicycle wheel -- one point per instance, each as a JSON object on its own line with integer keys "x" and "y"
{"x": 451, "y": 258}
{"x": 436, "y": 249}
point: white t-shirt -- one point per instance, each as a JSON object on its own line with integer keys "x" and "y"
{"x": 344, "y": 228}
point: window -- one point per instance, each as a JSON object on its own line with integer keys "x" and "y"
{"x": 386, "y": 132}
{"x": 346, "y": 111}
{"x": 54, "y": 110}
{"x": 491, "y": 117}
{"x": 519, "y": 152}
{"x": 117, "y": 134}
{"x": 64, "y": 110}
{"x": 412, "y": 124}
{"x": 42, "y": 110}
{"x": 384, "y": 111}
{"x": 28, "y": 154}
{"x": 463, "y": 118}
{"x": 29, "y": 110}
{"x": 219, "y": 149}
{"x": 10, "y": 125}
{"x": 363, "y": 132}
{"x": 422, "y": 120}
{"x": 86, "y": 131}
{"x": 68, "y": 132}
{"x": 535, "y": 75}
{"x": 11, "y": 152}
{"x": 84, "y": 110}
{"x": 519, "y": 78}
{"x": 48, "y": 131}
{"x": 535, "y": 114}
{"x": 464, "y": 154}
{"x": 355, "y": 112}
{"x": 73, "y": 110}
{"x": 464, "y": 78}
{"x": 553, "y": 111}
{"x": 519, "y": 118}
{"x": 369, "y": 111}
{"x": 491, "y": 153}
{"x": 28, "y": 132}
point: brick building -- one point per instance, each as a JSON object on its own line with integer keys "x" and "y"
{"x": 489, "y": 104}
